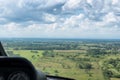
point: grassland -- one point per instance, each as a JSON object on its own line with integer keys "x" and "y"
{"x": 62, "y": 66}
{"x": 78, "y": 59}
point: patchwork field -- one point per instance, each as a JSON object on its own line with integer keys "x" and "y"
{"x": 60, "y": 65}
{"x": 72, "y": 58}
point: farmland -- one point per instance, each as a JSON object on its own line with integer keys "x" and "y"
{"x": 73, "y": 58}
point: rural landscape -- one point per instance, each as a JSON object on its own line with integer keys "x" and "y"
{"x": 80, "y": 59}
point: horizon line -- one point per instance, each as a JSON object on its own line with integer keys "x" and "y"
{"x": 52, "y": 38}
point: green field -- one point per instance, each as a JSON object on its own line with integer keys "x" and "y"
{"x": 61, "y": 66}
{"x": 78, "y": 59}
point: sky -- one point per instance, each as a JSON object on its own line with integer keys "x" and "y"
{"x": 98, "y": 19}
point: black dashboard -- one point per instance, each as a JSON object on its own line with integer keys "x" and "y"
{"x": 16, "y": 69}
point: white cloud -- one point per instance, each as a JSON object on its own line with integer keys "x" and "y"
{"x": 110, "y": 17}
{"x": 60, "y": 18}
{"x": 49, "y": 18}
{"x": 71, "y": 4}
{"x": 90, "y": 1}
{"x": 74, "y": 20}
{"x": 115, "y": 1}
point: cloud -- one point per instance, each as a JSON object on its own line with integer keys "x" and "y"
{"x": 49, "y": 18}
{"x": 28, "y": 10}
{"x": 60, "y": 18}
{"x": 35, "y": 10}
{"x": 71, "y": 4}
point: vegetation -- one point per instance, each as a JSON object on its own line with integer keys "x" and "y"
{"x": 73, "y": 58}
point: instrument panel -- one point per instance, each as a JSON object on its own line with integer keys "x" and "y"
{"x": 16, "y": 69}
{"x": 18, "y": 75}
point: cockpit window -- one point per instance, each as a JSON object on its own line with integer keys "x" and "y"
{"x": 70, "y": 38}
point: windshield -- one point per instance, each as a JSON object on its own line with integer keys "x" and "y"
{"x": 77, "y": 39}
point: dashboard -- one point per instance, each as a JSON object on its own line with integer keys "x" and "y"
{"x": 16, "y": 69}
